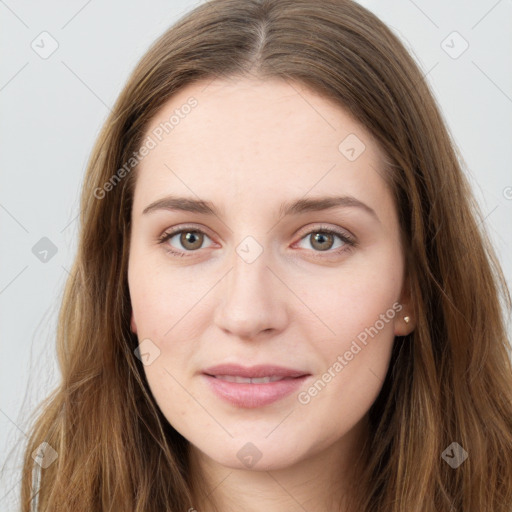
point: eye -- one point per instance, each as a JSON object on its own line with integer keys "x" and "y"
{"x": 190, "y": 239}
{"x": 323, "y": 239}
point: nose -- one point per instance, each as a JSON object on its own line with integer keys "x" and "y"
{"x": 251, "y": 300}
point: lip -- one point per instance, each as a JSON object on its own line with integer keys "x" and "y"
{"x": 261, "y": 370}
{"x": 248, "y": 395}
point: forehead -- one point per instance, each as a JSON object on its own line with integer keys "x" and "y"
{"x": 230, "y": 137}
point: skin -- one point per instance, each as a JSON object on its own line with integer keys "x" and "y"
{"x": 248, "y": 146}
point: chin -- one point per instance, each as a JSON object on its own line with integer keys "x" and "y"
{"x": 257, "y": 456}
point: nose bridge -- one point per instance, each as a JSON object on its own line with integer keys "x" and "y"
{"x": 248, "y": 282}
{"x": 248, "y": 303}
{"x": 250, "y": 272}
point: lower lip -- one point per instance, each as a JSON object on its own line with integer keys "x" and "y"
{"x": 253, "y": 395}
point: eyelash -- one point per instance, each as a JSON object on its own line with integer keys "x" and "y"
{"x": 349, "y": 241}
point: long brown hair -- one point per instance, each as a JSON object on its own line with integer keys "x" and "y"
{"x": 449, "y": 381}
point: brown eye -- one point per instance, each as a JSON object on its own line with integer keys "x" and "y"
{"x": 181, "y": 241}
{"x": 191, "y": 240}
{"x": 327, "y": 240}
{"x": 322, "y": 241}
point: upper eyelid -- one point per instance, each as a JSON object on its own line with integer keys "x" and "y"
{"x": 187, "y": 227}
{"x": 338, "y": 230}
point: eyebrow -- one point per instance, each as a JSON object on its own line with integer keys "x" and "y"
{"x": 295, "y": 207}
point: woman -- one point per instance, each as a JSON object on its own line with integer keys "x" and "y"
{"x": 281, "y": 299}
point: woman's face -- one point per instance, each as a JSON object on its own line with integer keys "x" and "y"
{"x": 283, "y": 273}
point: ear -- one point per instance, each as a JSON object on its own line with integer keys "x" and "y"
{"x": 402, "y": 328}
{"x": 133, "y": 325}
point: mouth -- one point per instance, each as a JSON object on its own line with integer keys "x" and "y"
{"x": 251, "y": 387}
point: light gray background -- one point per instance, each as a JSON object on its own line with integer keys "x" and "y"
{"x": 52, "y": 110}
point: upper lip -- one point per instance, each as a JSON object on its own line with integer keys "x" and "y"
{"x": 262, "y": 370}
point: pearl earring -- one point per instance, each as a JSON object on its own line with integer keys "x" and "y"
{"x": 406, "y": 319}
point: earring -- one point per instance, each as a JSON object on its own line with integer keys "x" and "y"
{"x": 406, "y": 319}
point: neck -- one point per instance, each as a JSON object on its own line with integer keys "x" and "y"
{"x": 320, "y": 481}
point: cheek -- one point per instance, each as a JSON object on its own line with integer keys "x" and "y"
{"x": 355, "y": 363}
{"x": 358, "y": 310}
{"x": 170, "y": 395}
{"x": 165, "y": 310}
{"x": 158, "y": 301}
{"x": 349, "y": 300}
